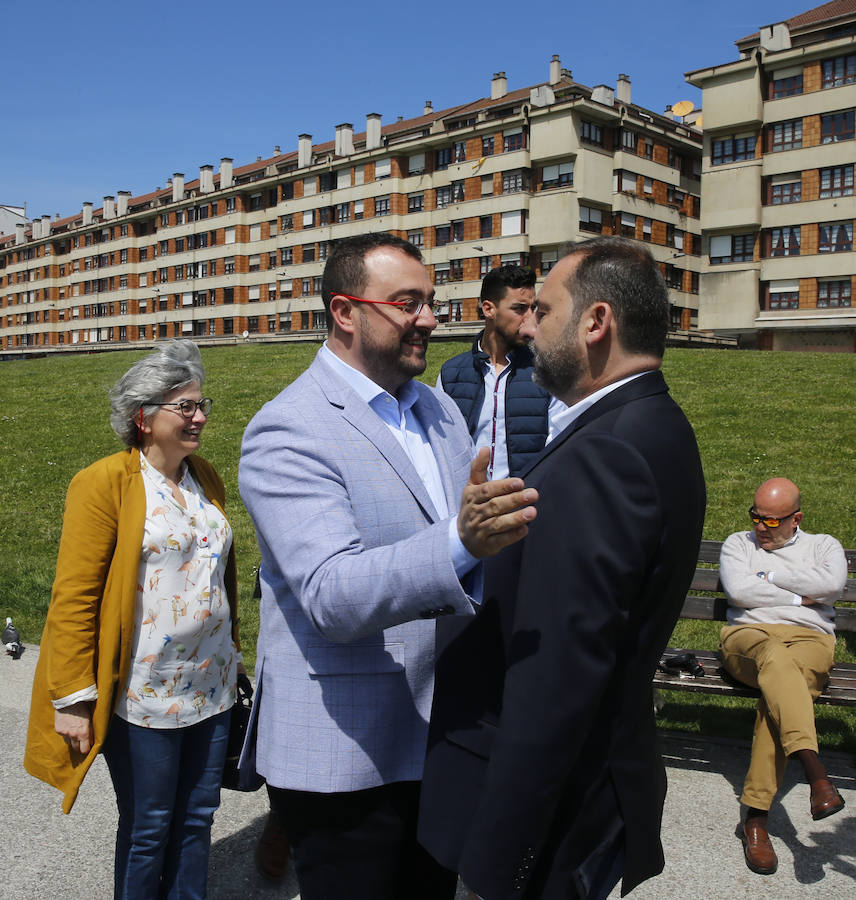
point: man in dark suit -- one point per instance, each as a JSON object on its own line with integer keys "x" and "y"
{"x": 543, "y": 777}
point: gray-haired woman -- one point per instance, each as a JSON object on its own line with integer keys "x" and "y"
{"x": 140, "y": 649}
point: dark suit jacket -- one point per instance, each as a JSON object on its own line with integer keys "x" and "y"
{"x": 542, "y": 745}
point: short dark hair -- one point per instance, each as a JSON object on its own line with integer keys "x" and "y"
{"x": 503, "y": 278}
{"x": 345, "y": 271}
{"x": 623, "y": 273}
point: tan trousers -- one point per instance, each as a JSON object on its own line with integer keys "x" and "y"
{"x": 790, "y": 665}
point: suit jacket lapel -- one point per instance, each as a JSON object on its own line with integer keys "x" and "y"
{"x": 435, "y": 423}
{"x": 643, "y": 386}
{"x": 356, "y": 411}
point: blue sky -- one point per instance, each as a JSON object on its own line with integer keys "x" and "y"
{"x": 99, "y": 97}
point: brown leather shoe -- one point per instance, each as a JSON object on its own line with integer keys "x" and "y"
{"x": 825, "y": 799}
{"x": 760, "y": 855}
{"x": 273, "y": 850}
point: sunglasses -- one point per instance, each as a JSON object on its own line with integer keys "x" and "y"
{"x": 769, "y": 521}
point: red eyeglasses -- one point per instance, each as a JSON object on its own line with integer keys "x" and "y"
{"x": 411, "y": 307}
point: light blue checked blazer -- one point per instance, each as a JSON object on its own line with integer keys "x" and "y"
{"x": 355, "y": 568}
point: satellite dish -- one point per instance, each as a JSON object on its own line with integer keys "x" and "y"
{"x": 698, "y": 123}
{"x": 245, "y": 335}
{"x": 683, "y": 108}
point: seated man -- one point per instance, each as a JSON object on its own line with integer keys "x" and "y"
{"x": 782, "y": 584}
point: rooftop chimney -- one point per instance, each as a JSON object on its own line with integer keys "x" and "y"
{"x": 87, "y": 213}
{"x": 498, "y": 86}
{"x": 429, "y": 108}
{"x": 344, "y": 139}
{"x": 372, "y": 131}
{"x": 622, "y": 89}
{"x": 555, "y": 69}
{"x": 122, "y": 203}
{"x": 36, "y": 229}
{"x": 177, "y": 186}
{"x": 19, "y": 233}
{"x": 225, "y": 172}
{"x": 304, "y": 150}
{"x": 276, "y": 150}
{"x": 46, "y": 226}
{"x": 109, "y": 209}
{"x": 603, "y": 95}
{"x": 206, "y": 179}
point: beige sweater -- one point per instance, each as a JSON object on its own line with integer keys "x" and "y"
{"x": 768, "y": 586}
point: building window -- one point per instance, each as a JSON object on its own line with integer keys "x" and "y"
{"x": 836, "y": 127}
{"x": 512, "y": 140}
{"x": 486, "y": 226}
{"x": 458, "y": 192}
{"x": 549, "y": 258}
{"x": 835, "y": 237}
{"x": 786, "y": 190}
{"x": 441, "y": 273}
{"x": 459, "y": 151}
{"x": 787, "y": 86}
{"x": 458, "y": 231}
{"x": 628, "y": 140}
{"x": 444, "y": 196}
{"x": 838, "y": 71}
{"x": 515, "y": 181}
{"x": 731, "y": 248}
{"x": 625, "y": 182}
{"x": 558, "y": 175}
{"x": 648, "y": 151}
{"x": 591, "y": 219}
{"x": 732, "y": 149}
{"x": 230, "y": 204}
{"x": 381, "y": 206}
{"x": 319, "y": 319}
{"x": 416, "y": 164}
{"x": 308, "y": 253}
{"x": 383, "y": 168}
{"x": 442, "y": 158}
{"x": 442, "y": 235}
{"x": 304, "y": 320}
{"x": 591, "y": 133}
{"x": 255, "y": 201}
{"x": 254, "y": 263}
{"x": 784, "y": 298}
{"x": 786, "y": 135}
{"x": 416, "y": 238}
{"x": 455, "y": 311}
{"x": 627, "y": 225}
{"x": 836, "y": 181}
{"x": 253, "y": 324}
{"x": 674, "y": 277}
{"x": 286, "y": 222}
{"x": 286, "y": 256}
{"x": 359, "y": 209}
{"x": 343, "y": 212}
{"x": 306, "y": 287}
{"x": 415, "y": 202}
{"x": 785, "y": 241}
{"x": 456, "y": 270}
{"x": 487, "y": 146}
{"x": 834, "y": 293}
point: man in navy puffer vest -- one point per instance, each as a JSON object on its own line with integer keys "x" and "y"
{"x": 492, "y": 383}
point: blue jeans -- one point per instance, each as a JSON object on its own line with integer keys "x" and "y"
{"x": 167, "y": 783}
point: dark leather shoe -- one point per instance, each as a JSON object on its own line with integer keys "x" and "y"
{"x": 760, "y": 855}
{"x": 273, "y": 850}
{"x": 825, "y": 799}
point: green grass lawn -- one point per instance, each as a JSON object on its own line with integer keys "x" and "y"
{"x": 756, "y": 415}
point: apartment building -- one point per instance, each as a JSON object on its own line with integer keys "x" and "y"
{"x": 777, "y": 185}
{"x": 509, "y": 177}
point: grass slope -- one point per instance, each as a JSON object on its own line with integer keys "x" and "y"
{"x": 756, "y": 415}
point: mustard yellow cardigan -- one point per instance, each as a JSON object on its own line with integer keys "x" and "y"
{"x": 90, "y": 623}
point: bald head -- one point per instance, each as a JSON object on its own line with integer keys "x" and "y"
{"x": 778, "y": 498}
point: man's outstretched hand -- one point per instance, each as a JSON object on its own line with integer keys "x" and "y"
{"x": 493, "y": 514}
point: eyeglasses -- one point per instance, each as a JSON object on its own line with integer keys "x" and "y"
{"x": 769, "y": 521}
{"x": 411, "y": 307}
{"x": 188, "y": 407}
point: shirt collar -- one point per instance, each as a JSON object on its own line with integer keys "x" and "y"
{"x": 363, "y": 386}
{"x": 572, "y": 413}
{"x": 155, "y": 475}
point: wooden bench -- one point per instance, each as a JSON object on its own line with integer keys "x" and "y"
{"x": 841, "y": 690}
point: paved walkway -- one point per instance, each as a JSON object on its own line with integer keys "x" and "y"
{"x": 47, "y": 856}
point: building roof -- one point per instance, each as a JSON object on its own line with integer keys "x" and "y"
{"x": 827, "y": 12}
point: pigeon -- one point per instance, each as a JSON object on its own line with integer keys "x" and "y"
{"x": 11, "y": 639}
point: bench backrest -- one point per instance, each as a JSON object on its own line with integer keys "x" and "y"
{"x": 706, "y": 579}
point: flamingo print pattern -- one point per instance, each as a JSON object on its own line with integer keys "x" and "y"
{"x": 182, "y": 646}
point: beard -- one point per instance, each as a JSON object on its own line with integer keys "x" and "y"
{"x": 393, "y": 361}
{"x": 558, "y": 368}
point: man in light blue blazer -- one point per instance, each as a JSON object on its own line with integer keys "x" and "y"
{"x": 371, "y": 521}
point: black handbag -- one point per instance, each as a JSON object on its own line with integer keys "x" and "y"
{"x": 238, "y": 725}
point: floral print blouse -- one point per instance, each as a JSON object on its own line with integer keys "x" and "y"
{"x": 184, "y": 659}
